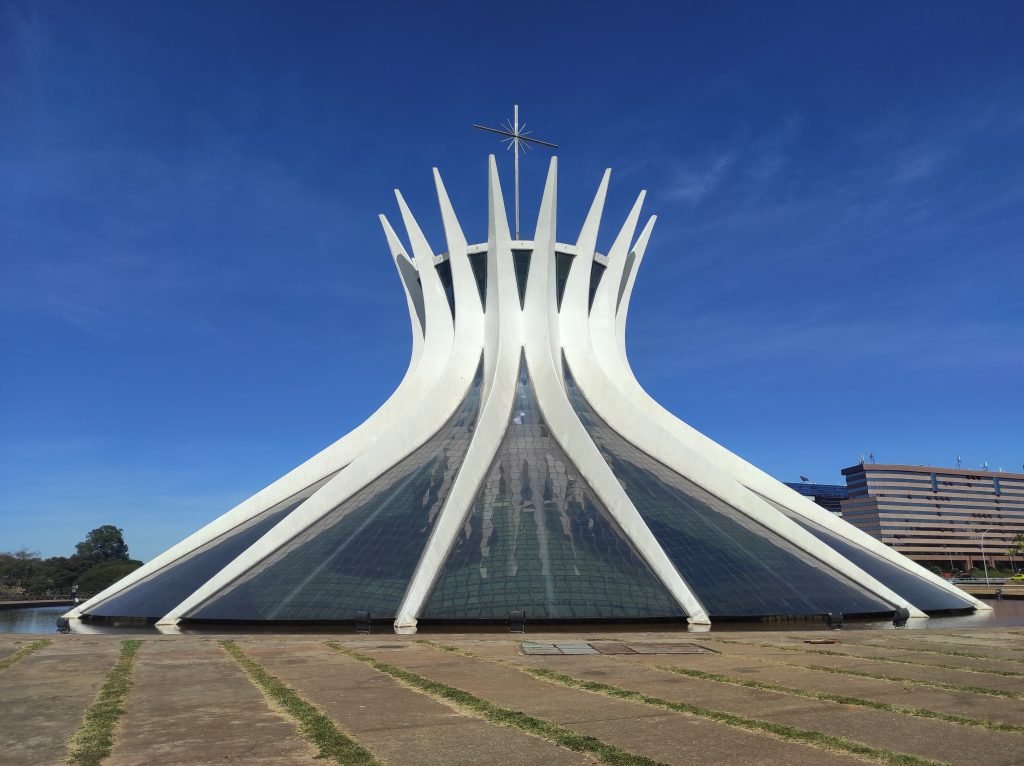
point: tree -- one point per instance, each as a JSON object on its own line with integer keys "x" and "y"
{"x": 103, "y": 575}
{"x": 104, "y": 543}
{"x": 18, "y": 568}
{"x": 1017, "y": 546}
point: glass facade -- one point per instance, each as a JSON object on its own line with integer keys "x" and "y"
{"x": 444, "y": 273}
{"x": 916, "y": 590}
{"x": 563, "y": 263}
{"x": 596, "y": 272}
{"x": 158, "y": 594}
{"x": 478, "y": 261}
{"x": 360, "y": 556}
{"x": 521, "y": 261}
{"x": 539, "y": 540}
{"x": 735, "y": 566}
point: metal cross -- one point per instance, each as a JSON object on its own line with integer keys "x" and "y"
{"x": 518, "y": 139}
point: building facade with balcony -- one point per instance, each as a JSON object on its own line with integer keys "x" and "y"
{"x": 949, "y": 517}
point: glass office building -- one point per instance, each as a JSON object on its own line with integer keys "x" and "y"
{"x": 951, "y": 518}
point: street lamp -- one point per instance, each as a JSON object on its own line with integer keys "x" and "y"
{"x": 950, "y": 554}
{"x": 983, "y": 562}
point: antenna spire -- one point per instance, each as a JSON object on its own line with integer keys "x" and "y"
{"x": 517, "y": 137}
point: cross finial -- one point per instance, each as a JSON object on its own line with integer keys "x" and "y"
{"x": 517, "y": 137}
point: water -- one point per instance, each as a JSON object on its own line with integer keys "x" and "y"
{"x": 40, "y": 619}
{"x": 1007, "y": 613}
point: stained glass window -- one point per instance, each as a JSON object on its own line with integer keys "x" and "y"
{"x": 538, "y": 539}
{"x": 918, "y": 591}
{"x": 734, "y": 565}
{"x": 158, "y": 594}
{"x": 360, "y": 556}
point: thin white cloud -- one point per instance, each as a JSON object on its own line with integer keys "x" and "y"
{"x": 693, "y": 184}
{"x": 915, "y": 165}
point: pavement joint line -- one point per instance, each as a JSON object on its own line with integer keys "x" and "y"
{"x": 911, "y": 681}
{"x": 95, "y": 736}
{"x": 977, "y": 638}
{"x": 831, "y": 653}
{"x": 24, "y": 652}
{"x": 777, "y": 731}
{"x": 949, "y": 652}
{"x": 314, "y": 726}
{"x": 842, "y": 699}
{"x": 489, "y": 711}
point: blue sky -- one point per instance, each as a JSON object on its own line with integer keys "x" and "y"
{"x": 195, "y": 294}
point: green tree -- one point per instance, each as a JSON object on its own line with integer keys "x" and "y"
{"x": 18, "y": 569}
{"x": 105, "y": 574}
{"x": 104, "y": 543}
{"x": 62, "y": 572}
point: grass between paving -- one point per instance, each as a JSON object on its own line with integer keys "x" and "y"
{"x": 830, "y": 653}
{"x": 844, "y": 700}
{"x": 948, "y": 652}
{"x": 24, "y": 652}
{"x": 780, "y": 731}
{"x": 982, "y": 638}
{"x": 315, "y": 727}
{"x": 513, "y": 719}
{"x": 95, "y": 737}
{"x": 911, "y": 681}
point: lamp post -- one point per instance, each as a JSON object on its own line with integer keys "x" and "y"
{"x": 983, "y": 562}
{"x": 950, "y": 554}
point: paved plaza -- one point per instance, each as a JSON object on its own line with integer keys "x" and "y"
{"x": 589, "y": 696}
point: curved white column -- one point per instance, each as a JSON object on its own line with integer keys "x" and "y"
{"x": 329, "y": 460}
{"x": 607, "y": 335}
{"x": 454, "y": 351}
{"x": 633, "y": 261}
{"x": 504, "y": 317}
{"x": 445, "y": 356}
{"x": 562, "y": 421}
{"x": 587, "y": 357}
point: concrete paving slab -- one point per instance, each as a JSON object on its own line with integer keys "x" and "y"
{"x": 397, "y": 724}
{"x": 900, "y": 670}
{"x": 641, "y": 729}
{"x": 44, "y": 696}
{"x": 191, "y": 704}
{"x": 890, "y": 692}
{"x": 919, "y": 736}
{"x": 934, "y": 647}
{"x": 858, "y": 648}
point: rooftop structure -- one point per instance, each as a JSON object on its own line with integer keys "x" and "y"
{"x": 828, "y": 496}
{"x": 520, "y": 467}
{"x": 947, "y": 517}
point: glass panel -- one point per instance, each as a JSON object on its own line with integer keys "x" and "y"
{"x": 538, "y": 539}
{"x": 916, "y": 590}
{"x": 596, "y": 272}
{"x": 479, "y": 263}
{"x": 444, "y": 273}
{"x": 521, "y": 260}
{"x": 360, "y": 556}
{"x": 163, "y": 590}
{"x": 563, "y": 262}
{"x": 735, "y": 566}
